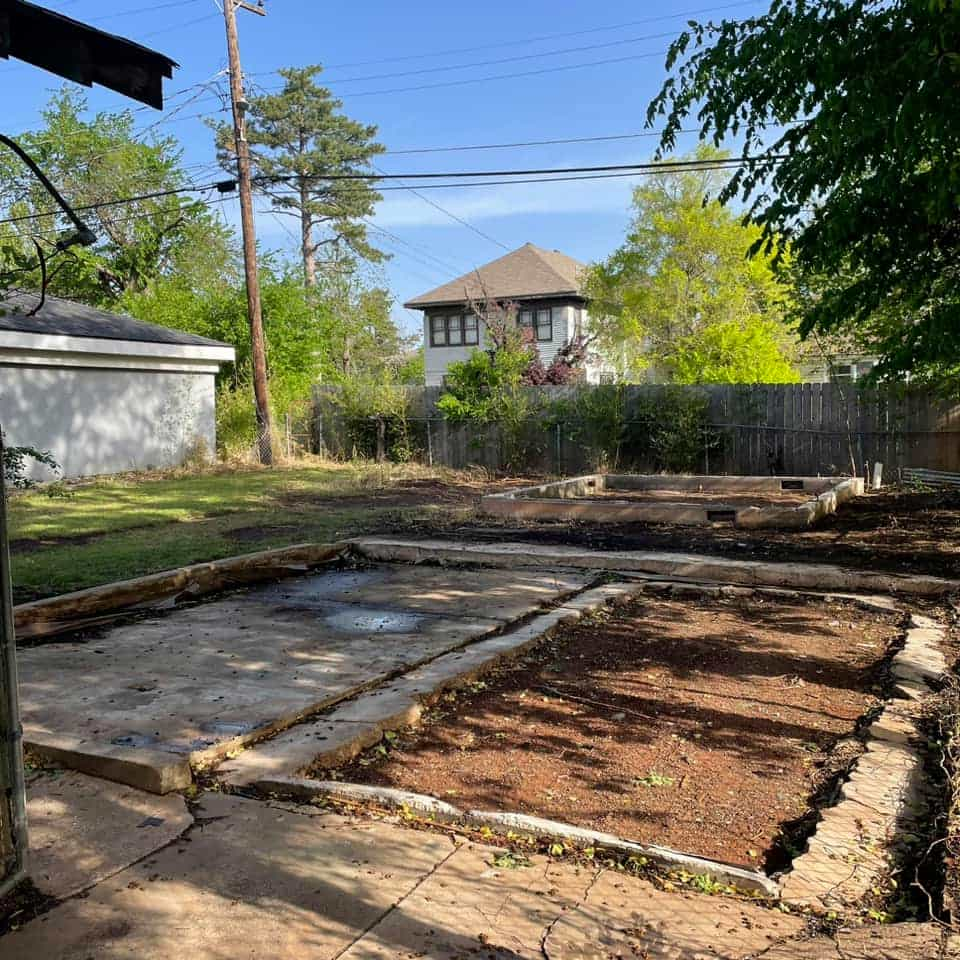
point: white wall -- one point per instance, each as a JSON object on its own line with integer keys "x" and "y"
{"x": 97, "y": 421}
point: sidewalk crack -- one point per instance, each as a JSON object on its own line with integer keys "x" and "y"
{"x": 394, "y": 906}
{"x": 546, "y": 933}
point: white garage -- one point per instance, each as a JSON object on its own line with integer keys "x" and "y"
{"x": 103, "y": 392}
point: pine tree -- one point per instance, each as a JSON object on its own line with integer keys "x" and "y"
{"x": 298, "y": 137}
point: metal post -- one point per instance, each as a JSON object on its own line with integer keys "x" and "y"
{"x": 13, "y": 804}
{"x": 429, "y": 445}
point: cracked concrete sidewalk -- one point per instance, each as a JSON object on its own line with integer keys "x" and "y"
{"x": 249, "y": 878}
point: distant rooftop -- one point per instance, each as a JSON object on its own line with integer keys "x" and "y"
{"x": 525, "y": 274}
{"x": 64, "y": 318}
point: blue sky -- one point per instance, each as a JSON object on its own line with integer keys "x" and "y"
{"x": 610, "y": 57}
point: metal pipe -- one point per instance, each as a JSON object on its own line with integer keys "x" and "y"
{"x": 13, "y": 816}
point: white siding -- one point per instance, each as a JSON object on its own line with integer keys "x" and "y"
{"x": 97, "y": 421}
{"x": 438, "y": 359}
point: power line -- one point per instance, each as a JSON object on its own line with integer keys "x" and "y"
{"x": 529, "y": 143}
{"x": 116, "y": 15}
{"x": 540, "y": 39}
{"x": 492, "y": 63}
{"x": 535, "y": 171}
{"x": 462, "y": 178}
{"x": 453, "y": 216}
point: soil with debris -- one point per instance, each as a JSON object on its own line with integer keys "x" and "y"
{"x": 703, "y": 726}
{"x": 896, "y": 531}
{"x": 703, "y": 498}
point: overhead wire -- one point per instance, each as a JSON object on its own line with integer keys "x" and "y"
{"x": 453, "y": 178}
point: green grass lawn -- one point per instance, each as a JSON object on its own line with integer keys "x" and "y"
{"x": 119, "y": 528}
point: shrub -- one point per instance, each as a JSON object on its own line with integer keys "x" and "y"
{"x": 15, "y": 465}
{"x": 668, "y": 429}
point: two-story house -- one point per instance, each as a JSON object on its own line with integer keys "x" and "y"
{"x": 544, "y": 285}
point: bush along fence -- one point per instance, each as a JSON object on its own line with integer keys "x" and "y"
{"x": 804, "y": 429}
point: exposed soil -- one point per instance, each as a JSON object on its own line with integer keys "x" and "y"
{"x": 787, "y": 498}
{"x": 706, "y": 727}
{"x": 897, "y": 531}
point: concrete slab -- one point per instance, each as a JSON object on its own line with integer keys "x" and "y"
{"x": 252, "y": 881}
{"x": 505, "y": 595}
{"x": 83, "y": 830}
{"x": 815, "y": 576}
{"x": 469, "y": 907}
{"x": 197, "y": 684}
{"x": 622, "y": 917}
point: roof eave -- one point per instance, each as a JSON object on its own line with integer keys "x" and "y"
{"x": 428, "y": 304}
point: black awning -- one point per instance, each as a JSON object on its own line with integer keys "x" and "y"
{"x": 81, "y": 53}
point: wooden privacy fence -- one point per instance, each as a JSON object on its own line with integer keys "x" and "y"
{"x": 807, "y": 429}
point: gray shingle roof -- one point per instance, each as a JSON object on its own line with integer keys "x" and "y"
{"x": 64, "y": 318}
{"x": 521, "y": 275}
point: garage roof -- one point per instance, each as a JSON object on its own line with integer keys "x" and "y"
{"x": 64, "y": 318}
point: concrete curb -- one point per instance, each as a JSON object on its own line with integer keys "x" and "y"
{"x": 149, "y": 770}
{"x": 305, "y": 789}
{"x": 856, "y": 840}
{"x": 686, "y": 588}
{"x": 825, "y": 577}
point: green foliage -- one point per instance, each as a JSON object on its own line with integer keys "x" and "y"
{"x": 669, "y": 430}
{"x": 486, "y": 386}
{"x": 95, "y": 160}
{"x": 299, "y": 135}
{"x": 489, "y": 388}
{"x": 372, "y": 405}
{"x": 654, "y": 779}
{"x": 681, "y": 290}
{"x": 15, "y": 464}
{"x": 866, "y": 199}
{"x": 732, "y": 352}
{"x": 334, "y": 333}
{"x": 236, "y": 422}
{"x": 595, "y": 418}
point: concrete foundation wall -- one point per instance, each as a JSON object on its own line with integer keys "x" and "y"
{"x": 732, "y": 485}
{"x": 100, "y": 421}
{"x": 572, "y": 500}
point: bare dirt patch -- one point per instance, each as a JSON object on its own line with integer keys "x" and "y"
{"x": 707, "y": 727}
{"x": 752, "y": 499}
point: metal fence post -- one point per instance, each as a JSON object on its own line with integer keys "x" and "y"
{"x": 13, "y": 813}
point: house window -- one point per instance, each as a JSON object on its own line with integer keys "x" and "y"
{"x": 545, "y": 324}
{"x": 540, "y": 321}
{"x": 454, "y": 331}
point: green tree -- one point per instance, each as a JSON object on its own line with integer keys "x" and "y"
{"x": 298, "y": 139}
{"x": 100, "y": 160}
{"x": 850, "y": 107}
{"x": 681, "y": 299}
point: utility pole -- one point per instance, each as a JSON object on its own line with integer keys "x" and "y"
{"x": 257, "y": 349}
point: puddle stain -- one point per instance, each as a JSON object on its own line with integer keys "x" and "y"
{"x": 373, "y": 620}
